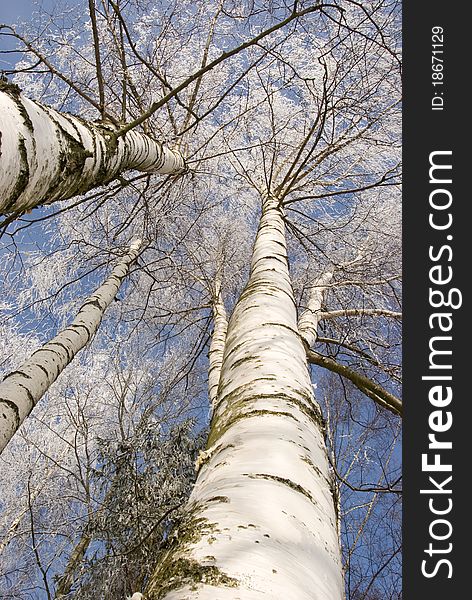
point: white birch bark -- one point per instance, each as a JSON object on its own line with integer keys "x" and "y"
{"x": 260, "y": 523}
{"x": 309, "y": 319}
{"x": 308, "y": 327}
{"x": 46, "y": 155}
{"x": 21, "y": 389}
{"x": 217, "y": 346}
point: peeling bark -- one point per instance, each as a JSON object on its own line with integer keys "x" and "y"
{"x": 261, "y": 520}
{"x": 21, "y": 389}
{"x": 48, "y": 156}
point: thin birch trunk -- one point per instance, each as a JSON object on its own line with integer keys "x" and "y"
{"x": 21, "y": 389}
{"x": 261, "y": 522}
{"x": 309, "y": 319}
{"x": 64, "y": 584}
{"x": 48, "y": 156}
{"x": 217, "y": 346}
{"x": 308, "y": 327}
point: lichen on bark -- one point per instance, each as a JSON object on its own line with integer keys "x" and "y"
{"x": 177, "y": 569}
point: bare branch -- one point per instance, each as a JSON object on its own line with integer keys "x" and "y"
{"x": 370, "y": 388}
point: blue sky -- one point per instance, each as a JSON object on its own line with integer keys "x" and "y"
{"x": 10, "y": 13}
{"x": 17, "y": 11}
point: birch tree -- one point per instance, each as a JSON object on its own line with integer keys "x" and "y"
{"x": 266, "y": 441}
{"x": 49, "y": 156}
{"x": 21, "y": 389}
{"x": 101, "y": 428}
{"x": 294, "y": 141}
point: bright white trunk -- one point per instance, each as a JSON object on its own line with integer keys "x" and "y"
{"x": 261, "y": 522}
{"x": 48, "y": 156}
{"x": 309, "y": 319}
{"x": 217, "y": 347}
{"x": 21, "y": 389}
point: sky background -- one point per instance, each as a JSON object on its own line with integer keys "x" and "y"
{"x": 16, "y": 11}
{"x": 10, "y": 13}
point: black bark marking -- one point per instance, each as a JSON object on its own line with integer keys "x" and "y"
{"x": 69, "y": 353}
{"x": 68, "y": 178}
{"x": 26, "y": 376}
{"x": 23, "y": 176}
{"x": 287, "y": 482}
{"x": 78, "y": 325}
{"x": 30, "y": 396}
{"x": 280, "y": 258}
{"x": 45, "y": 371}
{"x": 95, "y": 303}
{"x": 224, "y": 499}
{"x": 13, "y": 407}
{"x": 44, "y": 349}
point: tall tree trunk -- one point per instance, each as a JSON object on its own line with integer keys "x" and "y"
{"x": 217, "y": 346}
{"x": 261, "y": 521}
{"x": 21, "y": 389}
{"x": 47, "y": 155}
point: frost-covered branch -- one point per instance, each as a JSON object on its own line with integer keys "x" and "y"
{"x": 390, "y": 370}
{"x": 98, "y": 62}
{"x": 359, "y": 312}
{"x": 211, "y": 65}
{"x": 8, "y": 536}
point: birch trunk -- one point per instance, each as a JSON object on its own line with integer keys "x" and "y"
{"x": 65, "y": 583}
{"x": 261, "y": 522}
{"x": 308, "y": 327}
{"x": 310, "y": 318}
{"x": 21, "y": 389}
{"x": 217, "y": 347}
{"x": 48, "y": 156}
